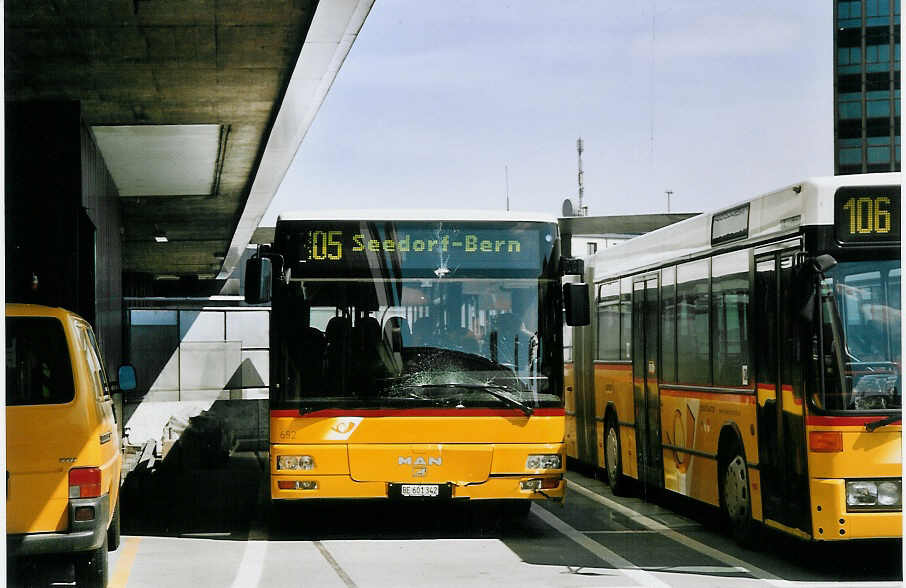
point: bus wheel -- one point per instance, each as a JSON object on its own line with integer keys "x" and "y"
{"x": 735, "y": 499}
{"x": 613, "y": 460}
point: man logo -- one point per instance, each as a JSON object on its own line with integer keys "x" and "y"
{"x": 419, "y": 464}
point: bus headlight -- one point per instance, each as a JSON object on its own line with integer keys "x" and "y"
{"x": 295, "y": 462}
{"x": 889, "y": 493}
{"x": 874, "y": 494}
{"x": 548, "y": 461}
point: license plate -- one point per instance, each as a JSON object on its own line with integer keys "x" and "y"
{"x": 420, "y": 490}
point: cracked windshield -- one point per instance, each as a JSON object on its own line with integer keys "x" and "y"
{"x": 439, "y": 316}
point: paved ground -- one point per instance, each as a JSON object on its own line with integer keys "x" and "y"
{"x": 214, "y": 528}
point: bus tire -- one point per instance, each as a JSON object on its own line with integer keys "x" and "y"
{"x": 613, "y": 458}
{"x": 91, "y": 567}
{"x": 735, "y": 496}
{"x": 113, "y": 531}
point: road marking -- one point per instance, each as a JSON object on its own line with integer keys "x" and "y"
{"x": 678, "y": 537}
{"x": 698, "y": 569}
{"x": 124, "y": 563}
{"x": 336, "y": 567}
{"x": 252, "y": 565}
{"x": 621, "y": 565}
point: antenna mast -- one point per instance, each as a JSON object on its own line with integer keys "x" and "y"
{"x": 580, "y": 147}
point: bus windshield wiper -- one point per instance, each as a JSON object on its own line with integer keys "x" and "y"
{"x": 497, "y": 391}
{"x": 880, "y": 423}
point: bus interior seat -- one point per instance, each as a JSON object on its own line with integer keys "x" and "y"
{"x": 312, "y": 357}
{"x": 397, "y": 322}
{"x": 371, "y": 358}
{"x": 337, "y": 332}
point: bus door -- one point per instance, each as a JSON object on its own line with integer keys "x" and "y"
{"x": 781, "y": 416}
{"x": 584, "y": 394}
{"x": 645, "y": 381}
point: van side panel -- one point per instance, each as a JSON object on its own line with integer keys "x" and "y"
{"x": 44, "y": 441}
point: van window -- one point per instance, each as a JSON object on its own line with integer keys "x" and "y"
{"x": 38, "y": 369}
{"x": 93, "y": 360}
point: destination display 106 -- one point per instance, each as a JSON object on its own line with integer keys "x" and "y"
{"x": 412, "y": 248}
{"x": 867, "y": 214}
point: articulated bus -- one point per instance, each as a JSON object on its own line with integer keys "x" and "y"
{"x": 416, "y": 355}
{"x": 751, "y": 359}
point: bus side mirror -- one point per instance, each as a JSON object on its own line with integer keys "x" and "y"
{"x": 258, "y": 272}
{"x": 575, "y": 300}
{"x": 125, "y": 378}
{"x": 811, "y": 272}
{"x": 572, "y": 266}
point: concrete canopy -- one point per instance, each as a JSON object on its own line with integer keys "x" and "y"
{"x": 216, "y": 94}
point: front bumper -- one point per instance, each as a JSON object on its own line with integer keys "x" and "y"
{"x": 831, "y": 521}
{"x": 82, "y": 535}
{"x": 343, "y": 486}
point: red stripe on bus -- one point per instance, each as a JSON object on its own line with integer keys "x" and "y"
{"x": 841, "y": 421}
{"x": 614, "y": 366}
{"x": 741, "y": 398}
{"x": 419, "y": 412}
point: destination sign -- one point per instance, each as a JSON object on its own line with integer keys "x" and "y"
{"x": 345, "y": 248}
{"x": 730, "y": 225}
{"x": 867, "y": 214}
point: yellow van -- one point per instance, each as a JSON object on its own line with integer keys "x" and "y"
{"x": 63, "y": 453}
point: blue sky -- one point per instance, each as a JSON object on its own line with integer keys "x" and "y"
{"x": 719, "y": 102}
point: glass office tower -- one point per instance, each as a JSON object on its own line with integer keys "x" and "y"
{"x": 866, "y": 86}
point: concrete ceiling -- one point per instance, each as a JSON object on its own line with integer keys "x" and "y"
{"x": 234, "y": 83}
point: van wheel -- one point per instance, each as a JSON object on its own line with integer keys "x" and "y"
{"x": 91, "y": 567}
{"x": 113, "y": 531}
{"x": 613, "y": 459}
{"x": 735, "y": 498}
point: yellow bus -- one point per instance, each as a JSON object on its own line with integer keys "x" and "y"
{"x": 751, "y": 359}
{"x": 416, "y": 356}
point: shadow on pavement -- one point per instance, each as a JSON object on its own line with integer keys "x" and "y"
{"x": 181, "y": 496}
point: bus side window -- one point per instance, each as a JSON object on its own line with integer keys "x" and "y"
{"x": 608, "y": 339}
{"x": 693, "y": 310}
{"x": 729, "y": 329}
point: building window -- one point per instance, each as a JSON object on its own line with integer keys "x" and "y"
{"x": 850, "y": 151}
{"x": 849, "y": 14}
{"x": 877, "y": 58}
{"x": 849, "y": 105}
{"x": 592, "y": 248}
{"x": 849, "y": 59}
{"x": 850, "y": 156}
{"x": 877, "y": 13}
{"x": 878, "y": 150}
{"x": 877, "y": 104}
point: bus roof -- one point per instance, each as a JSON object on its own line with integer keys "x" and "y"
{"x": 425, "y": 214}
{"x": 806, "y": 203}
